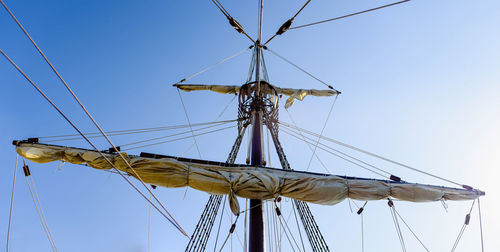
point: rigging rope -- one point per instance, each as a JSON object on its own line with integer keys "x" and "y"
{"x": 322, "y": 130}
{"x": 38, "y": 206}
{"x": 286, "y": 26}
{"x": 286, "y": 228}
{"x": 308, "y": 145}
{"x": 213, "y": 65}
{"x": 172, "y": 221}
{"x": 189, "y": 122}
{"x": 466, "y": 223}
{"x": 131, "y": 131}
{"x": 180, "y": 138}
{"x": 415, "y": 235}
{"x": 89, "y": 115}
{"x": 372, "y": 154}
{"x": 349, "y": 15}
{"x": 301, "y": 69}
{"x": 231, "y": 230}
{"x": 337, "y": 155}
{"x": 480, "y": 224}
{"x": 298, "y": 227}
{"x": 237, "y": 26}
{"x": 12, "y": 202}
{"x": 396, "y": 224}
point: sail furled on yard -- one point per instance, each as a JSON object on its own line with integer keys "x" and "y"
{"x": 246, "y": 181}
{"x": 293, "y": 94}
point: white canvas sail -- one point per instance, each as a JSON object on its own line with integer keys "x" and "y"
{"x": 247, "y": 181}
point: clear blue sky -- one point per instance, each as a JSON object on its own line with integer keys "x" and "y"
{"x": 419, "y": 81}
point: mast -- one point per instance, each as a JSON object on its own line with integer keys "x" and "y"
{"x": 256, "y": 227}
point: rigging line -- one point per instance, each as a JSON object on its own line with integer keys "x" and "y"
{"x": 396, "y": 225}
{"x": 285, "y": 230}
{"x": 349, "y": 15}
{"x": 135, "y": 131}
{"x": 180, "y": 138}
{"x": 12, "y": 201}
{"x": 231, "y": 230}
{"x": 298, "y": 227}
{"x": 245, "y": 227}
{"x": 189, "y": 122}
{"x": 309, "y": 146}
{"x": 41, "y": 211}
{"x": 173, "y": 222}
{"x": 86, "y": 111}
{"x": 220, "y": 222}
{"x": 213, "y": 65}
{"x": 219, "y": 116}
{"x": 301, "y": 69}
{"x": 466, "y": 223}
{"x": 286, "y": 26}
{"x": 337, "y": 155}
{"x": 408, "y": 226}
{"x": 97, "y": 136}
{"x": 172, "y": 135}
{"x": 362, "y": 235}
{"x": 149, "y": 226}
{"x": 237, "y": 26}
{"x": 480, "y": 224}
{"x": 38, "y": 211}
{"x": 347, "y": 155}
{"x": 221, "y": 8}
{"x": 322, "y": 130}
{"x": 375, "y": 155}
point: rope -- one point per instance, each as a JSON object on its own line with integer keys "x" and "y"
{"x": 38, "y": 207}
{"x": 308, "y": 145}
{"x": 301, "y": 69}
{"x": 285, "y": 228}
{"x": 362, "y": 235}
{"x": 189, "y": 122}
{"x": 322, "y": 130}
{"x": 286, "y": 26}
{"x": 149, "y": 226}
{"x": 172, "y": 135}
{"x": 12, "y": 202}
{"x": 349, "y": 15}
{"x": 213, "y": 65}
{"x": 372, "y": 154}
{"x": 129, "y": 132}
{"x": 480, "y": 224}
{"x": 396, "y": 225}
{"x": 219, "y": 116}
{"x": 337, "y": 155}
{"x": 410, "y": 229}
{"x": 231, "y": 230}
{"x": 172, "y": 221}
{"x": 220, "y": 222}
{"x": 88, "y": 114}
{"x": 298, "y": 227}
{"x": 466, "y": 223}
{"x": 180, "y": 138}
{"x": 237, "y": 26}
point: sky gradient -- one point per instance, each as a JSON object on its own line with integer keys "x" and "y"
{"x": 419, "y": 81}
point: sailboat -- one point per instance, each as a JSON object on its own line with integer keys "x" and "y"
{"x": 230, "y": 184}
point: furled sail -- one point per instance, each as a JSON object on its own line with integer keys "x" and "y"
{"x": 246, "y": 181}
{"x": 293, "y": 94}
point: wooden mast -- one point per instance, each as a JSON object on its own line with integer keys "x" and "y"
{"x": 256, "y": 227}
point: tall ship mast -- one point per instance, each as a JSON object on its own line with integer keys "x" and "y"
{"x": 262, "y": 186}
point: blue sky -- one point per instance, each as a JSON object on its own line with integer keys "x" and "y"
{"x": 419, "y": 82}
